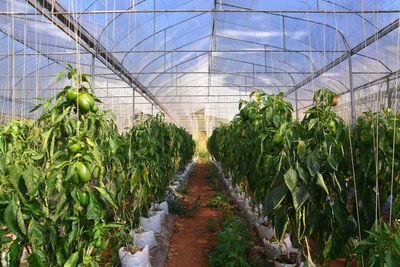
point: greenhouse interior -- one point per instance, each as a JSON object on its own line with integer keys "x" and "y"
{"x": 200, "y": 133}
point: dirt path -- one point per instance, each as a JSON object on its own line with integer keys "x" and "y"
{"x": 193, "y": 236}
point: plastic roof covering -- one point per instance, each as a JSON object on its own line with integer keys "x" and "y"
{"x": 198, "y": 64}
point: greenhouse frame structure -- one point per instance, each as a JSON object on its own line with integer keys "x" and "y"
{"x": 227, "y": 50}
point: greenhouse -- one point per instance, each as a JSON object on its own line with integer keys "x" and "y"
{"x": 199, "y": 133}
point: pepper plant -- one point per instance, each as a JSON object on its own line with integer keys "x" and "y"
{"x": 65, "y": 177}
{"x": 298, "y": 170}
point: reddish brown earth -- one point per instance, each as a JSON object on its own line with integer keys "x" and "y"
{"x": 193, "y": 235}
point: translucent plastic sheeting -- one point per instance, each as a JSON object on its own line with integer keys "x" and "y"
{"x": 199, "y": 58}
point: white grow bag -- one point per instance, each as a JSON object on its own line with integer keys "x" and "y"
{"x": 145, "y": 239}
{"x": 163, "y": 206}
{"x": 152, "y": 223}
{"x": 159, "y": 212}
{"x": 139, "y": 259}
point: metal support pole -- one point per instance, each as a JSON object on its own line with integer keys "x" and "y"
{"x": 254, "y": 76}
{"x": 283, "y": 33}
{"x": 133, "y": 108}
{"x": 165, "y": 48}
{"x": 265, "y": 58}
{"x": 353, "y": 115}
{"x": 210, "y": 55}
{"x": 93, "y": 70}
{"x": 154, "y": 26}
{"x": 297, "y": 107}
{"x": 152, "y": 109}
{"x": 388, "y": 93}
{"x": 13, "y": 92}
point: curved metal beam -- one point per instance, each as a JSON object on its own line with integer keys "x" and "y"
{"x": 163, "y": 54}
{"x": 115, "y": 18}
{"x": 296, "y": 18}
{"x": 357, "y": 14}
{"x": 166, "y": 28}
{"x": 272, "y": 46}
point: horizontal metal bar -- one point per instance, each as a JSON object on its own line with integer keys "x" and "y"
{"x": 180, "y": 51}
{"x": 169, "y": 86}
{"x": 10, "y": 13}
{"x": 204, "y": 72}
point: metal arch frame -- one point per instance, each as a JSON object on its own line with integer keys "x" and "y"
{"x": 166, "y": 53}
{"x": 181, "y": 74}
{"x": 392, "y": 26}
{"x": 284, "y": 72}
{"x": 154, "y": 33}
{"x": 180, "y": 63}
{"x": 286, "y": 37}
{"x": 250, "y": 63}
{"x": 376, "y": 59}
{"x": 111, "y": 21}
{"x": 15, "y": 85}
{"x": 288, "y": 73}
{"x": 260, "y": 65}
{"x": 219, "y": 36}
{"x": 296, "y": 18}
{"x": 205, "y": 86}
{"x": 162, "y": 30}
{"x": 205, "y": 53}
{"x": 228, "y": 37}
{"x": 213, "y": 36}
{"x": 235, "y": 85}
{"x": 173, "y": 87}
{"x": 357, "y": 14}
{"x": 349, "y": 53}
{"x": 72, "y": 28}
{"x": 272, "y": 46}
{"x": 365, "y": 43}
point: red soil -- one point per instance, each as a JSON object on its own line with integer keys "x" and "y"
{"x": 193, "y": 236}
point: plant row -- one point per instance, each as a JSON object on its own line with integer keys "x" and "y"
{"x": 316, "y": 178}
{"x": 69, "y": 181}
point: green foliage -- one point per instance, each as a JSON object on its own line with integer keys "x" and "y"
{"x": 212, "y": 225}
{"x": 377, "y": 140}
{"x": 221, "y": 199}
{"x": 204, "y": 155}
{"x": 300, "y": 170}
{"x": 183, "y": 208}
{"x": 69, "y": 177}
{"x": 232, "y": 245}
{"x": 381, "y": 247}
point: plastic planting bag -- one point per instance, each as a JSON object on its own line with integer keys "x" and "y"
{"x": 159, "y": 212}
{"x": 163, "y": 206}
{"x": 145, "y": 239}
{"x": 139, "y": 259}
{"x": 152, "y": 223}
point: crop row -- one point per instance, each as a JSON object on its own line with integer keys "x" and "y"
{"x": 317, "y": 179}
{"x": 69, "y": 181}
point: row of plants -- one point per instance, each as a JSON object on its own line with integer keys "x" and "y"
{"x": 233, "y": 240}
{"x": 316, "y": 178}
{"x": 72, "y": 186}
{"x": 233, "y": 244}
